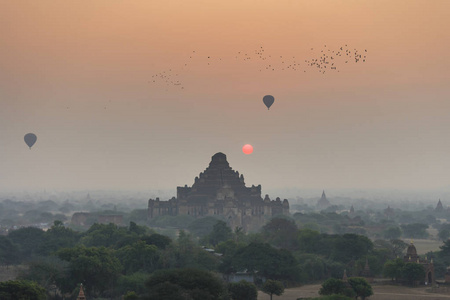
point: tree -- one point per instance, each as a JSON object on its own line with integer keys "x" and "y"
{"x": 413, "y": 272}
{"x": 29, "y": 240}
{"x": 97, "y": 268}
{"x": 21, "y": 290}
{"x": 361, "y": 287}
{"x": 138, "y": 257}
{"x": 273, "y": 287}
{"x": 313, "y": 266}
{"x": 267, "y": 261}
{"x": 220, "y": 233}
{"x": 8, "y": 251}
{"x": 393, "y": 269}
{"x": 58, "y": 237}
{"x": 181, "y": 284}
{"x": 243, "y": 290}
{"x": 159, "y": 240}
{"x": 202, "y": 227}
{"x": 131, "y": 296}
{"x": 282, "y": 233}
{"x": 105, "y": 235}
{"x": 415, "y": 230}
{"x": 398, "y": 247}
{"x": 46, "y": 271}
{"x": 332, "y": 286}
{"x": 351, "y": 247}
{"x": 392, "y": 233}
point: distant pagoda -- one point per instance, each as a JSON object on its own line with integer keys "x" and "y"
{"x": 439, "y": 206}
{"x": 323, "y": 202}
{"x": 81, "y": 295}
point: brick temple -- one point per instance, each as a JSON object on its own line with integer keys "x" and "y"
{"x": 220, "y": 191}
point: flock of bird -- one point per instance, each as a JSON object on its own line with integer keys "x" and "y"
{"x": 324, "y": 59}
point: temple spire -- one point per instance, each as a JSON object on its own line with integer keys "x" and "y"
{"x": 81, "y": 295}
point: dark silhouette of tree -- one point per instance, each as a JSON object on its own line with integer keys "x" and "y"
{"x": 97, "y": 268}
{"x": 243, "y": 290}
{"x": 273, "y": 287}
{"x": 29, "y": 240}
{"x": 413, "y": 272}
{"x": 220, "y": 233}
{"x": 361, "y": 287}
{"x": 180, "y": 284}
{"x": 281, "y": 232}
{"x": 9, "y": 252}
{"x": 393, "y": 269}
{"x": 21, "y": 290}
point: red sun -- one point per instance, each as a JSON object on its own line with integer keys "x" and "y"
{"x": 247, "y": 149}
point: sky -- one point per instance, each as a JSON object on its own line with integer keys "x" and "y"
{"x": 87, "y": 77}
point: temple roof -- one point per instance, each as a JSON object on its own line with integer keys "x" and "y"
{"x": 219, "y": 179}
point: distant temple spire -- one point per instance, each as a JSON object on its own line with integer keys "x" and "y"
{"x": 323, "y": 201}
{"x": 439, "y": 206}
{"x": 81, "y": 295}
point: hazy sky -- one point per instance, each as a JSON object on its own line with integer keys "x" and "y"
{"x": 78, "y": 74}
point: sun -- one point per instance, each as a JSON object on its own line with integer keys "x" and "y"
{"x": 247, "y": 149}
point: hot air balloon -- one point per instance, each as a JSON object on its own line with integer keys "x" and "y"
{"x": 30, "y": 139}
{"x": 268, "y": 100}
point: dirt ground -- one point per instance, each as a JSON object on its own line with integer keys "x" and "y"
{"x": 381, "y": 292}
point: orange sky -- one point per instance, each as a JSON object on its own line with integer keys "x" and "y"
{"x": 79, "y": 75}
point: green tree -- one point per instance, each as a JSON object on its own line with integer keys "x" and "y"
{"x": 8, "y": 251}
{"x": 202, "y": 227}
{"x": 361, "y": 287}
{"x": 278, "y": 264}
{"x": 309, "y": 240}
{"x": 415, "y": 230}
{"x": 97, "y": 268}
{"x": 29, "y": 240}
{"x": 21, "y": 290}
{"x": 413, "y": 272}
{"x": 332, "y": 286}
{"x": 444, "y": 232}
{"x": 181, "y": 284}
{"x": 138, "y": 257}
{"x": 243, "y": 290}
{"x": 351, "y": 247}
{"x": 131, "y": 296}
{"x": 313, "y": 266}
{"x": 132, "y": 283}
{"x": 393, "y": 269}
{"x": 398, "y": 247}
{"x": 46, "y": 271}
{"x": 159, "y": 240}
{"x": 184, "y": 253}
{"x": 58, "y": 237}
{"x": 392, "y": 233}
{"x": 281, "y": 232}
{"x": 220, "y": 232}
{"x": 273, "y": 287}
{"x": 106, "y": 235}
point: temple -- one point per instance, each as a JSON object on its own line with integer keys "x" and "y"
{"x": 220, "y": 191}
{"x": 411, "y": 256}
